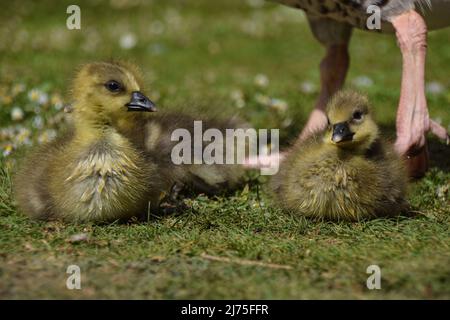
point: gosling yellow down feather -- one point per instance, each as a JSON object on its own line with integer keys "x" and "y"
{"x": 347, "y": 172}
{"x": 94, "y": 172}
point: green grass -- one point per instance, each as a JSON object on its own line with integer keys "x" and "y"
{"x": 205, "y": 51}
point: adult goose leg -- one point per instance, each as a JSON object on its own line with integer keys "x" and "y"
{"x": 413, "y": 120}
{"x": 335, "y": 36}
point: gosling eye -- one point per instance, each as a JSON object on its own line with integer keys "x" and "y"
{"x": 357, "y": 116}
{"x": 113, "y": 86}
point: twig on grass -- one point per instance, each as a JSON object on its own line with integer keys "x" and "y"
{"x": 246, "y": 262}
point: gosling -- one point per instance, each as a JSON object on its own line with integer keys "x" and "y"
{"x": 346, "y": 172}
{"x": 94, "y": 173}
{"x": 201, "y": 177}
{"x": 157, "y": 137}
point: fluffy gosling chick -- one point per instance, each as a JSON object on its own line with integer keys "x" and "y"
{"x": 93, "y": 173}
{"x": 154, "y": 135}
{"x": 346, "y": 172}
{"x": 158, "y": 145}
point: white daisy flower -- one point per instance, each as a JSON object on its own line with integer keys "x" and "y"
{"x": 43, "y": 98}
{"x": 307, "y": 87}
{"x": 128, "y": 41}
{"x": 363, "y": 82}
{"x": 261, "y": 80}
{"x": 18, "y": 88}
{"x": 279, "y": 105}
{"x": 237, "y": 95}
{"x": 47, "y": 136}
{"x": 34, "y": 94}
{"x": 434, "y": 87}
{"x": 262, "y": 99}
{"x": 17, "y": 114}
{"x": 38, "y": 122}
{"x": 7, "y": 150}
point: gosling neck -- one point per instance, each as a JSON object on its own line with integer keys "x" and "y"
{"x": 92, "y": 129}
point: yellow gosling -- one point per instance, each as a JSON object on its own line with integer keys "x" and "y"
{"x": 94, "y": 172}
{"x": 347, "y": 172}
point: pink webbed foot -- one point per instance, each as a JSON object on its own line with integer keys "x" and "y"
{"x": 415, "y": 149}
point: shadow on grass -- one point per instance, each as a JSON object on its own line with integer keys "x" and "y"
{"x": 439, "y": 154}
{"x": 439, "y": 151}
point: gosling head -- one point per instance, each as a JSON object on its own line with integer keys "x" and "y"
{"x": 106, "y": 92}
{"x": 350, "y": 123}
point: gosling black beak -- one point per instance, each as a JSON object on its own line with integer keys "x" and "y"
{"x": 341, "y": 132}
{"x": 140, "y": 102}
